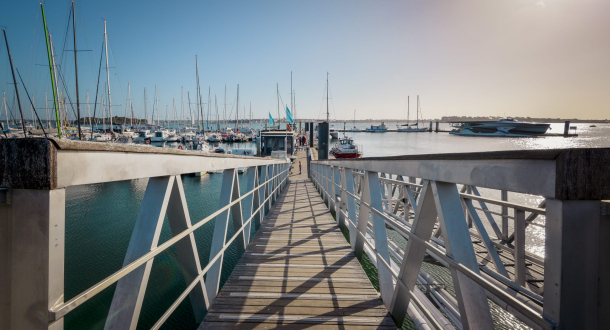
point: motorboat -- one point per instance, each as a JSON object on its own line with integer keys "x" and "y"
{"x": 334, "y": 133}
{"x": 215, "y": 137}
{"x": 160, "y": 136}
{"x": 507, "y": 127}
{"x": 346, "y": 148}
{"x": 101, "y": 137}
{"x": 377, "y": 128}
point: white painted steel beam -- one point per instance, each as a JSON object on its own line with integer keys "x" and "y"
{"x": 228, "y": 193}
{"x": 527, "y": 176}
{"x": 422, "y": 227}
{"x": 381, "y": 239}
{"x": 251, "y": 201}
{"x": 87, "y": 167}
{"x": 129, "y": 294}
{"x": 474, "y": 309}
{"x": 188, "y": 257}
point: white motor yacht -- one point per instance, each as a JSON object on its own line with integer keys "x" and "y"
{"x": 507, "y": 127}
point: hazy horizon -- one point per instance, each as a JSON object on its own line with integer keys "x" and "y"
{"x": 516, "y": 58}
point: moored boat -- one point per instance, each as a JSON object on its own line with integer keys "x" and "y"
{"x": 507, "y": 127}
{"x": 377, "y": 128}
{"x": 346, "y": 148}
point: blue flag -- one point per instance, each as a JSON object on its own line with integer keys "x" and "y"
{"x": 270, "y": 119}
{"x": 289, "y": 116}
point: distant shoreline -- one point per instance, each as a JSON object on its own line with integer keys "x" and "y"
{"x": 450, "y": 119}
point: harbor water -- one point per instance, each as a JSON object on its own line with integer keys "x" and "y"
{"x": 100, "y": 219}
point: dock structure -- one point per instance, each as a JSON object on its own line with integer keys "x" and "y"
{"x": 298, "y": 272}
{"x": 302, "y": 268}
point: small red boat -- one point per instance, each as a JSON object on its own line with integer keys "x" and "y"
{"x": 346, "y": 148}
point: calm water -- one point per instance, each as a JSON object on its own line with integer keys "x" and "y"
{"x": 100, "y": 219}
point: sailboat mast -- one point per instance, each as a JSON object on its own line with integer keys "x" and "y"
{"x": 217, "y": 119}
{"x": 277, "y": 85}
{"x": 209, "y": 107}
{"x": 157, "y": 106}
{"x": 200, "y": 105}
{"x": 145, "y": 108}
{"x": 250, "y": 116}
{"x": 47, "y": 38}
{"x": 224, "y": 114}
{"x": 57, "y": 98}
{"x": 88, "y": 111}
{"x": 15, "y": 82}
{"x": 417, "y": 112}
{"x": 108, "y": 79}
{"x": 6, "y": 111}
{"x": 408, "y": 109}
{"x": 291, "y": 95}
{"x": 182, "y": 103}
{"x": 327, "y": 97}
{"x": 237, "y": 109}
{"x": 127, "y": 105}
{"x": 76, "y": 68}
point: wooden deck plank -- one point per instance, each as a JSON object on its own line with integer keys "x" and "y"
{"x": 298, "y": 272}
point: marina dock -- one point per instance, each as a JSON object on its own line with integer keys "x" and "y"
{"x": 298, "y": 272}
{"x": 312, "y": 232}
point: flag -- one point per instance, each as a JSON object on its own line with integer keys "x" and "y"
{"x": 270, "y": 119}
{"x": 289, "y": 116}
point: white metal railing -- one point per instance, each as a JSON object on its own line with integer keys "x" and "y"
{"x": 164, "y": 196}
{"x": 437, "y": 206}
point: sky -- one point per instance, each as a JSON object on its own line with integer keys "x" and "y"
{"x": 536, "y": 58}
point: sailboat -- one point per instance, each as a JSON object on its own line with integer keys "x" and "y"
{"x": 409, "y": 127}
{"x": 354, "y": 129}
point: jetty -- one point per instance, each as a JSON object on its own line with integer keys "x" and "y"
{"x": 303, "y": 238}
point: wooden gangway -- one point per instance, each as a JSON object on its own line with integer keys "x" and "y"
{"x": 298, "y": 272}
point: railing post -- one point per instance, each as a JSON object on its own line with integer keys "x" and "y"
{"x": 186, "y": 249}
{"x": 339, "y": 205}
{"x": 473, "y": 305}
{"x": 363, "y": 218}
{"x": 262, "y": 192}
{"x": 129, "y": 294}
{"x": 228, "y": 193}
{"x": 576, "y": 260}
{"x": 423, "y": 224}
{"x": 32, "y": 235}
{"x": 468, "y": 216}
{"x": 331, "y": 189}
{"x": 325, "y": 184}
{"x": 348, "y": 182}
{"x": 519, "y": 247}
{"x": 270, "y": 171}
{"x": 504, "y": 197}
{"x": 250, "y": 202}
{"x": 386, "y": 285}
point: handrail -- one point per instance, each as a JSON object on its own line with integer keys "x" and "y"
{"x": 60, "y": 310}
{"x": 527, "y": 311}
{"x": 179, "y": 300}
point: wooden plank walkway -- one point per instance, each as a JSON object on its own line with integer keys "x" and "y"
{"x": 298, "y": 273}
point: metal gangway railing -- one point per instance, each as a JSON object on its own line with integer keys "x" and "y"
{"x": 445, "y": 210}
{"x": 35, "y": 174}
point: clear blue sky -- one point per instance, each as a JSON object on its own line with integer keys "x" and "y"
{"x": 534, "y": 58}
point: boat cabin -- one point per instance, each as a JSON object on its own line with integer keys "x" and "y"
{"x": 276, "y": 140}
